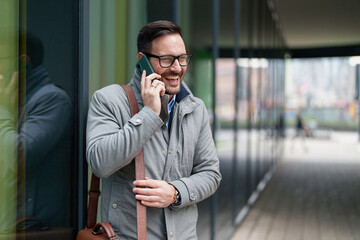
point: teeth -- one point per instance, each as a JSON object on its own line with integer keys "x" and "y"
{"x": 172, "y": 78}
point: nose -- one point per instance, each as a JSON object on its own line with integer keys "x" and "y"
{"x": 176, "y": 66}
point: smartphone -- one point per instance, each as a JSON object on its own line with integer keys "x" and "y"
{"x": 144, "y": 64}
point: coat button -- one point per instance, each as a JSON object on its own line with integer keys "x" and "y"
{"x": 138, "y": 120}
{"x": 192, "y": 196}
{"x": 171, "y": 234}
{"x": 170, "y": 151}
{"x": 114, "y": 205}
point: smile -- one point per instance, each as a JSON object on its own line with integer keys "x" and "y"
{"x": 172, "y": 78}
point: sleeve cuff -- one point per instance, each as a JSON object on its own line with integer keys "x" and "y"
{"x": 187, "y": 197}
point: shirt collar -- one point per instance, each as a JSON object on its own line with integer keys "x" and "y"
{"x": 171, "y": 104}
{"x": 170, "y": 108}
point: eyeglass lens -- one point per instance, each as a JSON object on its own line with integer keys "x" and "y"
{"x": 167, "y": 61}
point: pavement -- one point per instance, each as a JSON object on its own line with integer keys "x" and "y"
{"x": 314, "y": 193}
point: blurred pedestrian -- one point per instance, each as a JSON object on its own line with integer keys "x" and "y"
{"x": 301, "y": 131}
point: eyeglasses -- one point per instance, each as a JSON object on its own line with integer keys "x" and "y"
{"x": 166, "y": 61}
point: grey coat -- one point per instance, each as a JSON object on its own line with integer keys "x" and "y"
{"x": 186, "y": 158}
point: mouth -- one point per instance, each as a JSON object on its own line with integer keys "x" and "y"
{"x": 172, "y": 80}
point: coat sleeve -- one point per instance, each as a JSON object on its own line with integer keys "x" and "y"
{"x": 44, "y": 125}
{"x": 113, "y": 137}
{"x": 205, "y": 177}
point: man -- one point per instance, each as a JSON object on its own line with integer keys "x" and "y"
{"x": 181, "y": 164}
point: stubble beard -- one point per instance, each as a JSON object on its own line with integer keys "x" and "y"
{"x": 173, "y": 90}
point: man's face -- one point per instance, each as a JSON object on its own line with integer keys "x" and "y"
{"x": 171, "y": 44}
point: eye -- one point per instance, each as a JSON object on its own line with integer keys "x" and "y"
{"x": 167, "y": 59}
{"x": 183, "y": 59}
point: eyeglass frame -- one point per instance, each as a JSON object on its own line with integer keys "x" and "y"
{"x": 168, "y": 55}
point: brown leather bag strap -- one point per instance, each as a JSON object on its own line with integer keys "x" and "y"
{"x": 140, "y": 209}
{"x": 94, "y": 194}
{"x": 139, "y": 174}
{"x": 134, "y": 108}
{"x": 139, "y": 168}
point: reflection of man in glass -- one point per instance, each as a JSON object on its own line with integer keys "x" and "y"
{"x": 41, "y": 131}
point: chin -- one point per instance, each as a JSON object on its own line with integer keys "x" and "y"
{"x": 172, "y": 91}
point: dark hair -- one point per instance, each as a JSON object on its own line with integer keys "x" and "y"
{"x": 34, "y": 49}
{"x": 154, "y": 30}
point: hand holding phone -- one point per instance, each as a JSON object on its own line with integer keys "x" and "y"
{"x": 151, "y": 91}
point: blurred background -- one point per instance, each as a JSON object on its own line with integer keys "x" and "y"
{"x": 258, "y": 65}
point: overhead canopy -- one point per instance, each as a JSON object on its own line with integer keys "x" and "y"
{"x": 309, "y": 28}
{"x": 319, "y": 23}
{"x": 320, "y": 27}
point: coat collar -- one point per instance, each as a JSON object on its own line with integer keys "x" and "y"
{"x": 35, "y": 79}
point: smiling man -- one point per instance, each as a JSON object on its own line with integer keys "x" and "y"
{"x": 181, "y": 164}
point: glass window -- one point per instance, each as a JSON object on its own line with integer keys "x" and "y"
{"x": 38, "y": 71}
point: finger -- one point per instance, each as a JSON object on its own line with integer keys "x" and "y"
{"x": 146, "y": 183}
{"x": 141, "y": 183}
{"x": 148, "y": 81}
{"x": 152, "y": 204}
{"x": 151, "y": 183}
{"x": 143, "y": 75}
{"x": 160, "y": 87}
{"x": 144, "y": 191}
{"x": 156, "y": 82}
{"x": 154, "y": 77}
{"x": 13, "y": 82}
{"x": 147, "y": 198}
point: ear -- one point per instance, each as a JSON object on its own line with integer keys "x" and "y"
{"x": 25, "y": 58}
{"x": 140, "y": 54}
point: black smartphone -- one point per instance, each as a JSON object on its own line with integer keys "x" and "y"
{"x": 144, "y": 64}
